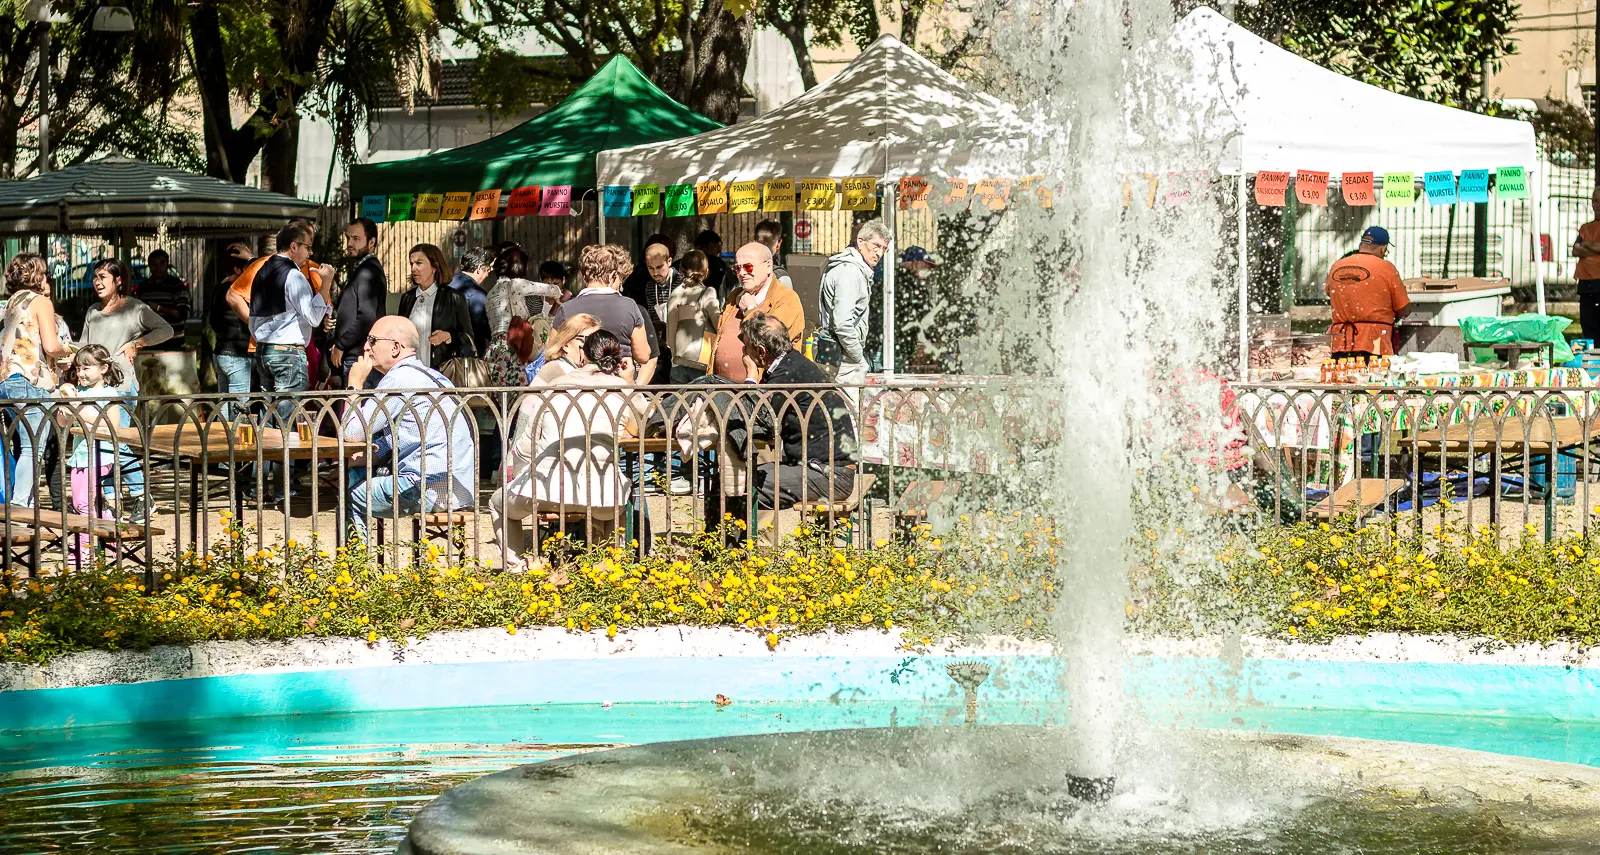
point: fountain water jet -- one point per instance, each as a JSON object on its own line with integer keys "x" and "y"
{"x": 1110, "y": 302}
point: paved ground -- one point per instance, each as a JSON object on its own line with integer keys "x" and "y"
{"x": 186, "y": 522}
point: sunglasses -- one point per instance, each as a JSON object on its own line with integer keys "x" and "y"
{"x": 372, "y": 340}
{"x": 748, "y": 268}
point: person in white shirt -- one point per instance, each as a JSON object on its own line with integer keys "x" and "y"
{"x": 284, "y": 309}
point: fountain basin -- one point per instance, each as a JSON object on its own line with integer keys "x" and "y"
{"x": 1002, "y": 789}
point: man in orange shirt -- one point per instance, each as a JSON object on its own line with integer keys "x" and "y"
{"x": 759, "y": 291}
{"x": 1367, "y": 298}
{"x": 1587, "y": 251}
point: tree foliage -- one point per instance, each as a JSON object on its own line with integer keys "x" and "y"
{"x": 99, "y": 101}
{"x": 694, "y": 49}
{"x": 1436, "y": 50}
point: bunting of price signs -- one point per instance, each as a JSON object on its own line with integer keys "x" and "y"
{"x": 556, "y": 201}
{"x": 524, "y": 202}
{"x": 1399, "y": 189}
{"x": 400, "y": 207}
{"x": 818, "y": 194}
{"x": 860, "y": 193}
{"x": 914, "y": 193}
{"x": 1474, "y": 186}
{"x": 680, "y": 200}
{"x": 1358, "y": 189}
{"x": 1272, "y": 188}
{"x": 993, "y": 193}
{"x": 744, "y": 197}
{"x": 616, "y": 201}
{"x": 646, "y": 200}
{"x": 457, "y": 206}
{"x": 485, "y": 205}
{"x": 1311, "y": 188}
{"x": 957, "y": 191}
{"x": 1511, "y": 182}
{"x": 1440, "y": 187}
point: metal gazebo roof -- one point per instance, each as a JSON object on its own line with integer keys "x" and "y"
{"x": 116, "y": 193}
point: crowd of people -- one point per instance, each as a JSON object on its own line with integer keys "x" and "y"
{"x": 283, "y": 323}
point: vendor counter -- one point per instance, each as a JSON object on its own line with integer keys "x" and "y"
{"x": 1438, "y": 306}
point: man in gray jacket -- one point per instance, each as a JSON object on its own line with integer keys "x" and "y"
{"x": 846, "y": 294}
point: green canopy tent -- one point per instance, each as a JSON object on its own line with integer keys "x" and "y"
{"x": 617, "y": 108}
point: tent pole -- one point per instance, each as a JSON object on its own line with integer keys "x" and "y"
{"x": 1244, "y": 286}
{"x": 1538, "y": 236}
{"x": 889, "y": 262}
{"x": 600, "y": 211}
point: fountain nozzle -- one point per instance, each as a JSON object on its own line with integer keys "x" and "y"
{"x": 969, "y": 676}
{"x": 1092, "y": 790}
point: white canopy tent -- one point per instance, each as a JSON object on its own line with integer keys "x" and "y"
{"x": 1290, "y": 113}
{"x": 889, "y": 114}
{"x": 892, "y": 114}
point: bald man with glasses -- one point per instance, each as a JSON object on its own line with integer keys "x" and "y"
{"x": 759, "y": 291}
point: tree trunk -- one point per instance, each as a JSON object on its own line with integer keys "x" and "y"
{"x": 228, "y": 151}
{"x": 713, "y": 63}
{"x": 910, "y": 17}
{"x": 794, "y": 29}
{"x": 281, "y": 155}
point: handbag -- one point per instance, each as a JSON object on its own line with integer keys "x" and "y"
{"x": 468, "y": 372}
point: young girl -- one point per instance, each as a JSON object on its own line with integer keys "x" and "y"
{"x": 92, "y": 375}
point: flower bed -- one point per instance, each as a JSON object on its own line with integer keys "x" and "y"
{"x": 929, "y": 588}
{"x": 990, "y": 575}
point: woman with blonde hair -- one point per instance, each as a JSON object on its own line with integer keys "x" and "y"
{"x": 563, "y": 350}
{"x": 564, "y": 459}
{"x": 603, "y": 268}
{"x": 29, "y": 350}
{"x": 444, "y": 323}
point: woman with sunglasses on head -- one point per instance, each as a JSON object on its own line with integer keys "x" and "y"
{"x": 29, "y": 351}
{"x": 564, "y": 459}
{"x": 443, "y": 321}
{"x": 604, "y": 268}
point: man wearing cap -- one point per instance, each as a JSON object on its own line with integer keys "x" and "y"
{"x": 1367, "y": 297}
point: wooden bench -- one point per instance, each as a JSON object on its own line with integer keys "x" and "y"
{"x": 912, "y": 508}
{"x": 42, "y": 523}
{"x": 843, "y": 509}
{"x": 21, "y": 543}
{"x": 1361, "y": 495}
{"x": 432, "y": 525}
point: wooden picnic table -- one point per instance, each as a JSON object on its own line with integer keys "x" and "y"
{"x": 217, "y": 443}
{"x": 1484, "y": 436}
{"x": 1540, "y": 436}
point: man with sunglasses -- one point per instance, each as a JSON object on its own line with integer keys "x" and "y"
{"x": 284, "y": 309}
{"x": 846, "y": 301}
{"x": 423, "y": 440}
{"x": 759, "y": 291}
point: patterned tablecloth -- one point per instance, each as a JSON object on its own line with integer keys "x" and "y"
{"x": 942, "y": 422}
{"x": 1330, "y": 420}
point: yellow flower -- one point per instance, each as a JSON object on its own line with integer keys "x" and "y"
{"x": 611, "y": 631}
{"x": 772, "y": 641}
{"x": 372, "y": 637}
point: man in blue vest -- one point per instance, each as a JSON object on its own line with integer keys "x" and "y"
{"x": 284, "y": 309}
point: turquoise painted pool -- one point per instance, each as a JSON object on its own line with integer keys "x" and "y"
{"x": 350, "y": 783}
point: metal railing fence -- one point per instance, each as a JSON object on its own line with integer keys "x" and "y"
{"x": 1421, "y": 455}
{"x": 147, "y": 482}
